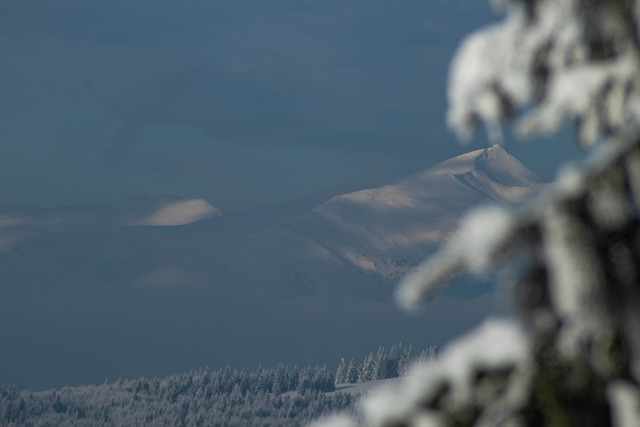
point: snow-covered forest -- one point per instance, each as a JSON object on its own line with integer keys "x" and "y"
{"x": 223, "y": 397}
{"x": 280, "y": 396}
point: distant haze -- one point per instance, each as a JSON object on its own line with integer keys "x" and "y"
{"x": 230, "y": 181}
{"x": 242, "y": 103}
{"x": 157, "y": 285}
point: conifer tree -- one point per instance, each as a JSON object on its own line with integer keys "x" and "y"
{"x": 305, "y": 381}
{"x": 352, "y": 372}
{"x": 366, "y": 369}
{"x": 341, "y": 372}
{"x": 404, "y": 361}
{"x": 380, "y": 364}
{"x": 428, "y": 355}
{"x": 280, "y": 382}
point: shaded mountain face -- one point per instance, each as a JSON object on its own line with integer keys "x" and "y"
{"x": 151, "y": 288}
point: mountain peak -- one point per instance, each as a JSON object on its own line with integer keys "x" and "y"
{"x": 421, "y": 209}
{"x": 495, "y": 150}
{"x": 502, "y": 167}
{"x": 494, "y": 161}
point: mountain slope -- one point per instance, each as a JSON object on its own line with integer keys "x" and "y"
{"x": 387, "y": 229}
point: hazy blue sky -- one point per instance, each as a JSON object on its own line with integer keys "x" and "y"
{"x": 244, "y": 102}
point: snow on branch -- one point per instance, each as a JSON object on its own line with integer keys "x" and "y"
{"x": 483, "y": 235}
{"x": 550, "y": 61}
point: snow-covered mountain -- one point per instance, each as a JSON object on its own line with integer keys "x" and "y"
{"x": 389, "y": 229}
{"x": 146, "y": 284}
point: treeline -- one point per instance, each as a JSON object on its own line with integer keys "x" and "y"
{"x": 224, "y": 397}
{"x": 381, "y": 365}
{"x": 280, "y": 396}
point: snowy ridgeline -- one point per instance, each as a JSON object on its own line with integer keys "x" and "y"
{"x": 225, "y": 397}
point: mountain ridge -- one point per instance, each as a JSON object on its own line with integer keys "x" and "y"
{"x": 412, "y": 216}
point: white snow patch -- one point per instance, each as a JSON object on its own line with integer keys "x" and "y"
{"x": 481, "y": 233}
{"x": 180, "y": 213}
{"x": 625, "y": 404}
